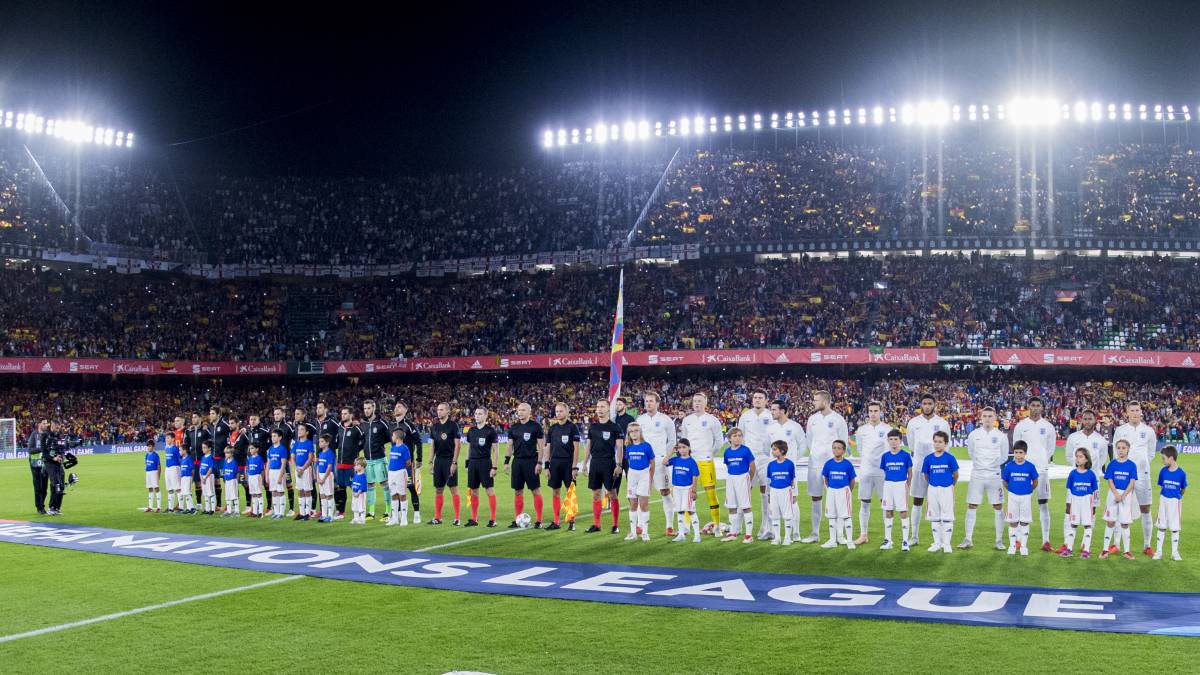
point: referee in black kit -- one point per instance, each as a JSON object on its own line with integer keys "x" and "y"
{"x": 526, "y": 447}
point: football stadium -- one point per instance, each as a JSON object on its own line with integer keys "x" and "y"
{"x": 525, "y": 341}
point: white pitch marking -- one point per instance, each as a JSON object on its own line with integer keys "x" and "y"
{"x": 464, "y": 541}
{"x": 140, "y": 610}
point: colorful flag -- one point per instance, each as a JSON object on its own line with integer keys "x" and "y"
{"x": 570, "y": 504}
{"x": 618, "y": 349}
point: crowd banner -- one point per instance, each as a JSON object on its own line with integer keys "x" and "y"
{"x": 648, "y": 359}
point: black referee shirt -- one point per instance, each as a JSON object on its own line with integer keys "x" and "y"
{"x": 524, "y": 438}
{"x": 481, "y": 441}
{"x": 602, "y": 440}
{"x": 445, "y": 436}
{"x": 562, "y": 436}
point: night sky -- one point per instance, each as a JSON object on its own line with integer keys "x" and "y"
{"x": 350, "y": 90}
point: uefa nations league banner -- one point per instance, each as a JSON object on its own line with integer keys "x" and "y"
{"x": 801, "y": 595}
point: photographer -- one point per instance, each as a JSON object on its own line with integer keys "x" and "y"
{"x": 35, "y": 445}
{"x": 54, "y": 453}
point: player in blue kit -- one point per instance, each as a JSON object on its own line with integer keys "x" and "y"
{"x": 171, "y": 474}
{"x": 303, "y": 459}
{"x": 1172, "y": 481}
{"x": 781, "y": 482}
{"x": 684, "y": 471}
{"x": 255, "y": 468}
{"x": 1020, "y": 478}
{"x": 897, "y": 466}
{"x": 838, "y": 474}
{"x": 229, "y": 472}
{"x": 1081, "y": 505}
{"x": 277, "y": 460}
{"x": 153, "y": 477}
{"x": 639, "y": 479}
{"x": 1122, "y": 477}
{"x": 208, "y": 479}
{"x": 941, "y": 473}
{"x": 358, "y": 486}
{"x": 326, "y": 470}
{"x": 741, "y": 469}
{"x": 399, "y": 467}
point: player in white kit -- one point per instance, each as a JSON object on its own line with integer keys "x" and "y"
{"x": 1090, "y": 439}
{"x": 789, "y": 431}
{"x": 824, "y": 427}
{"x": 659, "y": 431}
{"x": 987, "y": 447}
{"x": 1042, "y": 438}
{"x": 754, "y": 423}
{"x": 871, "y": 438}
{"x": 703, "y": 431}
{"x": 920, "y": 443}
{"x": 1143, "y": 445}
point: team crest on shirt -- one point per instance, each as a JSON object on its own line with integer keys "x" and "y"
{"x": 1142, "y": 435}
{"x": 881, "y": 434}
{"x": 482, "y": 442}
{"x": 564, "y": 439}
{"x": 703, "y": 423}
{"x": 829, "y": 424}
{"x": 995, "y": 439}
{"x": 443, "y": 436}
{"x": 526, "y": 435}
{"x": 1041, "y": 431}
{"x": 605, "y": 434}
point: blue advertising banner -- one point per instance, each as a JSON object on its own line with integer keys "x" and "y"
{"x": 971, "y": 604}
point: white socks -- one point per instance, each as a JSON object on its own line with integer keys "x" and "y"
{"x": 998, "y": 522}
{"x": 1044, "y": 521}
{"x": 735, "y": 522}
{"x": 864, "y": 517}
{"x": 668, "y": 505}
{"x": 1087, "y": 538}
{"x": 150, "y": 500}
{"x": 766, "y": 508}
{"x": 972, "y": 514}
{"x": 748, "y": 518}
{"x": 795, "y": 522}
{"x": 1068, "y": 533}
{"x": 915, "y": 525}
{"x": 1147, "y": 529}
{"x": 816, "y": 517}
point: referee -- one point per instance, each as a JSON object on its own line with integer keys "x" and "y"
{"x": 445, "y": 434}
{"x": 563, "y": 436}
{"x": 526, "y": 450}
{"x": 605, "y": 446}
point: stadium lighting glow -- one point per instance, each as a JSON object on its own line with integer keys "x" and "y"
{"x": 562, "y": 137}
{"x": 643, "y": 130}
{"x": 877, "y": 115}
{"x": 774, "y": 120}
{"x": 671, "y": 128}
{"x": 601, "y": 133}
{"x": 908, "y": 114}
{"x": 757, "y": 121}
{"x": 685, "y": 127}
{"x": 34, "y": 124}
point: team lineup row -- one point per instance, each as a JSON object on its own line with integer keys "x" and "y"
{"x": 765, "y": 450}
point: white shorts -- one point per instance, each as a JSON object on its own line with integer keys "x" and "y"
{"x": 894, "y": 496}
{"x": 172, "y": 475}
{"x": 231, "y": 489}
{"x": 870, "y": 486}
{"x": 920, "y": 484}
{"x": 737, "y": 492}
{"x": 276, "y": 480}
{"x": 989, "y": 488}
{"x": 759, "y": 479}
{"x": 662, "y": 477}
{"x": 209, "y": 486}
{"x": 1042, "y": 491}
{"x": 325, "y": 486}
{"x": 152, "y": 479}
{"x": 1120, "y": 513}
{"x": 1142, "y": 487}
{"x": 185, "y": 483}
{"x": 939, "y": 503}
{"x": 398, "y": 482}
{"x": 816, "y": 482}
{"x": 837, "y": 503}
{"x": 781, "y": 501}
{"x": 683, "y": 499}
{"x": 637, "y": 483}
{"x": 1083, "y": 509}
{"x": 1170, "y": 513}
{"x": 359, "y": 502}
{"x": 304, "y": 479}
{"x": 1020, "y": 509}
{"x": 255, "y": 483}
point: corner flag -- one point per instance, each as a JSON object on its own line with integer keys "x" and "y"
{"x": 618, "y": 348}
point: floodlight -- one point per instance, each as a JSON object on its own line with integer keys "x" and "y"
{"x": 548, "y": 139}
{"x": 698, "y": 125}
{"x": 877, "y": 115}
{"x": 685, "y": 127}
{"x": 643, "y": 130}
{"x": 907, "y": 114}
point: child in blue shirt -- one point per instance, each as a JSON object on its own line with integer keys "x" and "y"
{"x": 897, "y": 466}
{"x": 781, "y": 481}
{"x": 229, "y": 472}
{"x": 1020, "y": 479}
{"x": 208, "y": 479}
{"x": 171, "y": 462}
{"x": 684, "y": 471}
{"x": 399, "y": 467}
{"x": 326, "y": 466}
{"x": 187, "y": 503}
{"x": 839, "y": 475}
{"x": 1122, "y": 476}
{"x": 941, "y": 472}
{"x": 255, "y": 470}
{"x": 153, "y": 477}
{"x": 1081, "y": 504}
{"x": 1172, "y": 481}
{"x": 358, "y": 485}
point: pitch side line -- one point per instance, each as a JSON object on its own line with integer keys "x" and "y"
{"x": 489, "y": 535}
{"x": 141, "y": 610}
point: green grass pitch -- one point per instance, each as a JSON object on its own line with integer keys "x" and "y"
{"x": 315, "y": 623}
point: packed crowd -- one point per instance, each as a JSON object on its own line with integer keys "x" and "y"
{"x": 732, "y": 195}
{"x": 945, "y": 301}
{"x": 128, "y": 414}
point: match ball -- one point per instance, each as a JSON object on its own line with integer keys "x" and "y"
{"x": 524, "y": 521}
